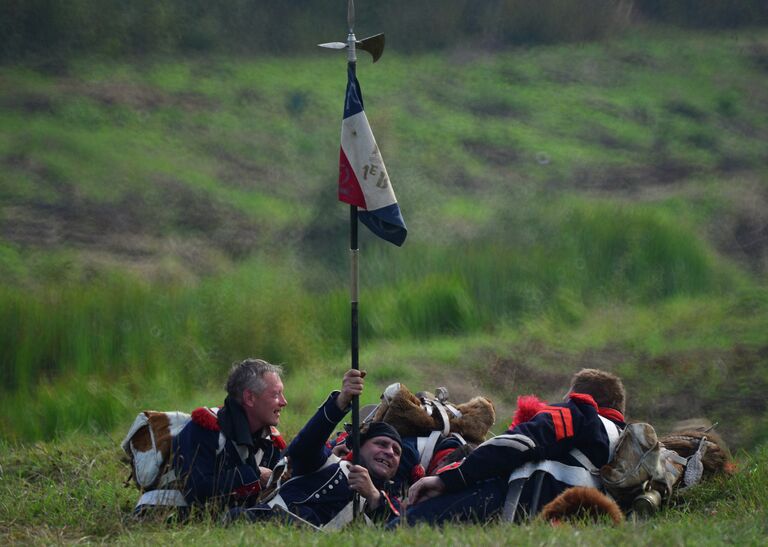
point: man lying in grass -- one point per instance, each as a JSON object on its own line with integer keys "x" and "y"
{"x": 323, "y": 485}
{"x": 563, "y": 444}
{"x": 226, "y": 455}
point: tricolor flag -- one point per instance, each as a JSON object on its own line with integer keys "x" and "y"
{"x": 363, "y": 179}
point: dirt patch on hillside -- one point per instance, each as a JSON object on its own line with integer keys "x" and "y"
{"x": 140, "y": 97}
{"x": 498, "y": 155}
{"x": 132, "y": 230}
{"x": 630, "y": 179}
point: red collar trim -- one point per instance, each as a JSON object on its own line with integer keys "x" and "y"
{"x": 611, "y": 414}
{"x": 583, "y": 398}
{"x": 605, "y": 412}
{"x": 206, "y": 418}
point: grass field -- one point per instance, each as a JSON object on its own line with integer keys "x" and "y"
{"x": 71, "y": 493}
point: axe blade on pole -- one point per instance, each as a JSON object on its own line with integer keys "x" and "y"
{"x": 373, "y": 45}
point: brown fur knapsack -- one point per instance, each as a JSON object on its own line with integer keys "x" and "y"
{"x": 415, "y": 416}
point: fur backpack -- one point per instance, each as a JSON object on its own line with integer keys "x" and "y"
{"x": 148, "y": 447}
{"x": 421, "y": 414}
{"x": 642, "y": 462}
{"x": 645, "y": 471}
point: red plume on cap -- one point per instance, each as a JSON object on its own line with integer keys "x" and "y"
{"x": 527, "y": 407}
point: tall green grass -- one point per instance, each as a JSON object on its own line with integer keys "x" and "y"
{"x": 558, "y": 261}
{"x": 117, "y": 328}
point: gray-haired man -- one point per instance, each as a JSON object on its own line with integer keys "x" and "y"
{"x": 228, "y": 453}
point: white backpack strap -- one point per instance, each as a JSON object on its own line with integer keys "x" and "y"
{"x": 444, "y": 415}
{"x": 613, "y": 438}
{"x": 168, "y": 498}
{"x": 344, "y": 466}
{"x": 426, "y": 447}
{"x": 569, "y": 474}
{"x": 580, "y": 457}
{"x": 146, "y": 465}
{"x": 458, "y": 436}
{"x": 613, "y": 432}
{"x": 453, "y": 410}
{"x": 277, "y": 501}
{"x": 167, "y": 478}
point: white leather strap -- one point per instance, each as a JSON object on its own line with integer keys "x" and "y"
{"x": 613, "y": 432}
{"x": 426, "y": 447}
{"x": 173, "y": 498}
{"x": 580, "y": 457}
{"x": 569, "y": 474}
{"x": 444, "y": 415}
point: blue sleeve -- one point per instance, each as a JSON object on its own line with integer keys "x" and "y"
{"x": 308, "y": 451}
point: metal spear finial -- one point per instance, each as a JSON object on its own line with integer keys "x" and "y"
{"x": 373, "y": 44}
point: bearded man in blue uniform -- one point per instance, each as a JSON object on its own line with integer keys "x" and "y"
{"x": 547, "y": 449}
{"x": 227, "y": 454}
{"x": 322, "y": 486}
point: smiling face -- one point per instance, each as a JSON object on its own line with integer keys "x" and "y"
{"x": 263, "y": 408}
{"x": 381, "y": 456}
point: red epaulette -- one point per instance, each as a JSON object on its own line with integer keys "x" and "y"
{"x": 206, "y": 418}
{"x": 277, "y": 439}
{"x": 561, "y": 420}
{"x": 529, "y": 406}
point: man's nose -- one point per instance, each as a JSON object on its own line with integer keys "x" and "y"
{"x": 282, "y": 401}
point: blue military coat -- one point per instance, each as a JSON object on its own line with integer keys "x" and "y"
{"x": 212, "y": 465}
{"x": 565, "y": 443}
{"x": 318, "y": 489}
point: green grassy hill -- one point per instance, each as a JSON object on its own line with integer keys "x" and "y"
{"x": 171, "y": 166}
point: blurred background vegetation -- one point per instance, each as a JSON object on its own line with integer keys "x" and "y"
{"x": 584, "y": 183}
{"x": 147, "y": 27}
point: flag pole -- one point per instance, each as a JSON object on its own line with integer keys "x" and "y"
{"x": 355, "y": 276}
{"x": 369, "y": 186}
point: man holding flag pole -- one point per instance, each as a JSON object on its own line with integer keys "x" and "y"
{"x": 322, "y": 485}
{"x": 363, "y": 184}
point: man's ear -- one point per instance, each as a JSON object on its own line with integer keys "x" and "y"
{"x": 248, "y": 397}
